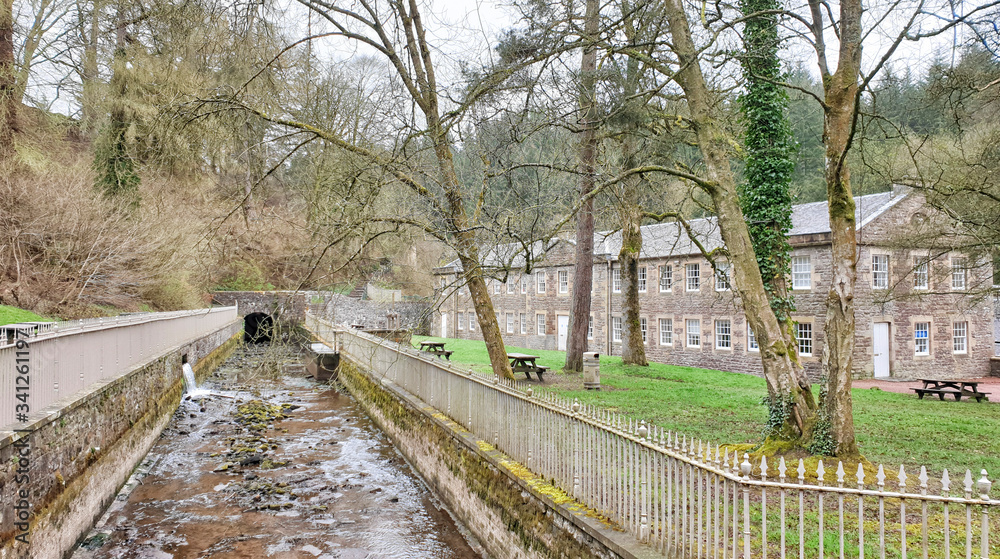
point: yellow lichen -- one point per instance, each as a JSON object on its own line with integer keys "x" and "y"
{"x": 485, "y": 446}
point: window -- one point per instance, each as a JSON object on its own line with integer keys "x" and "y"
{"x": 801, "y": 272}
{"x": 524, "y": 323}
{"x": 693, "y": 274}
{"x": 540, "y": 324}
{"x": 723, "y": 334}
{"x": 642, "y": 279}
{"x": 751, "y": 339}
{"x": 510, "y": 284}
{"x": 616, "y": 328}
{"x": 644, "y": 328}
{"x": 616, "y": 280}
{"x": 461, "y": 321}
{"x": 563, "y": 281}
{"x": 880, "y": 271}
{"x": 524, "y": 284}
{"x": 666, "y": 278}
{"x": 921, "y": 338}
{"x": 496, "y": 287}
{"x": 666, "y": 331}
{"x": 540, "y": 282}
{"x": 590, "y": 328}
{"x": 722, "y": 276}
{"x": 958, "y": 273}
{"x": 920, "y": 266}
{"x": 960, "y": 337}
{"x": 510, "y": 323}
{"x": 693, "y": 326}
{"x": 472, "y": 320}
{"x": 804, "y": 337}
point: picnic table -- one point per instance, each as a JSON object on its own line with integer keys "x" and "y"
{"x": 956, "y": 388}
{"x": 523, "y": 363}
{"x": 437, "y": 348}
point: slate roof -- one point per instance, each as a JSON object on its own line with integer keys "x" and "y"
{"x": 669, "y": 239}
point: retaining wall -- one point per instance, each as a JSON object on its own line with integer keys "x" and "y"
{"x": 70, "y": 461}
{"x": 509, "y": 516}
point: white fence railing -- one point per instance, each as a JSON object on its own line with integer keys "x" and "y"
{"x": 684, "y": 497}
{"x": 42, "y": 364}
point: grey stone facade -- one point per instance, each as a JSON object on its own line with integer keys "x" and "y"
{"x": 925, "y": 327}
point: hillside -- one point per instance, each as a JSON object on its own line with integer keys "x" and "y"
{"x": 67, "y": 251}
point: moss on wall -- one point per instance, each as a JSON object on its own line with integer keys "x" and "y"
{"x": 514, "y": 507}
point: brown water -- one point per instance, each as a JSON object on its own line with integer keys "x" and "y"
{"x": 344, "y": 493}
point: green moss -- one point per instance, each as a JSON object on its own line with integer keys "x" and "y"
{"x": 494, "y": 486}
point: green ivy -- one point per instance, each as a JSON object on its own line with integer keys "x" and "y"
{"x": 764, "y": 194}
{"x": 822, "y": 443}
{"x": 778, "y": 411}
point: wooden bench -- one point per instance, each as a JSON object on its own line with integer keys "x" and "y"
{"x": 940, "y": 393}
{"x": 436, "y": 348}
{"x": 958, "y": 389}
{"x": 521, "y": 363}
{"x": 539, "y": 371}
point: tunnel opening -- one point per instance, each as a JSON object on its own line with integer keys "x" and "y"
{"x": 258, "y": 328}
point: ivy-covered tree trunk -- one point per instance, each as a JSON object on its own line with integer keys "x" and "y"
{"x": 583, "y": 277}
{"x": 785, "y": 380}
{"x": 116, "y": 173}
{"x": 90, "y": 29}
{"x": 841, "y": 97}
{"x": 633, "y": 348}
{"x": 8, "y": 80}
{"x": 764, "y": 196}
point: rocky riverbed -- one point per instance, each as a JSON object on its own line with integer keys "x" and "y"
{"x": 267, "y": 463}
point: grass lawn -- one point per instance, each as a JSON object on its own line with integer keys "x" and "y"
{"x": 725, "y": 408}
{"x": 13, "y": 315}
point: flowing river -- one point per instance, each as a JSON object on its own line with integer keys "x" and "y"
{"x": 286, "y": 468}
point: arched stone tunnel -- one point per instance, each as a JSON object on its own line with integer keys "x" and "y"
{"x": 258, "y": 327}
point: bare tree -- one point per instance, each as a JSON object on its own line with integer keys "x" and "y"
{"x": 395, "y": 31}
{"x": 785, "y": 377}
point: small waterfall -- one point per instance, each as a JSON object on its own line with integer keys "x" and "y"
{"x": 190, "y": 385}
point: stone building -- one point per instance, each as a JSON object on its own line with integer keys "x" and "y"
{"x": 915, "y": 315}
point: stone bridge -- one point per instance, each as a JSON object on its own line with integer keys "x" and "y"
{"x": 289, "y": 307}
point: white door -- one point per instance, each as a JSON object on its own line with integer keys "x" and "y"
{"x": 444, "y": 325}
{"x": 562, "y": 322}
{"x": 880, "y": 348}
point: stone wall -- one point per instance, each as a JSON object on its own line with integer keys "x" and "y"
{"x": 290, "y": 307}
{"x": 81, "y": 450}
{"x": 510, "y": 518}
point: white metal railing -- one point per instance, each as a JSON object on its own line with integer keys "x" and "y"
{"x": 684, "y": 497}
{"x": 67, "y": 357}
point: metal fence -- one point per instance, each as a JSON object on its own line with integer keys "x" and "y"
{"x": 56, "y": 360}
{"x": 686, "y": 497}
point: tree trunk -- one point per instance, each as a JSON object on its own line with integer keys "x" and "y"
{"x": 254, "y": 167}
{"x": 785, "y": 378}
{"x": 633, "y": 348}
{"x": 465, "y": 243}
{"x": 117, "y": 176}
{"x": 583, "y": 278}
{"x": 90, "y": 98}
{"x": 8, "y": 80}
{"x": 841, "y": 92}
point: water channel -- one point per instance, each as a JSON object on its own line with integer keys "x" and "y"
{"x": 282, "y": 468}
